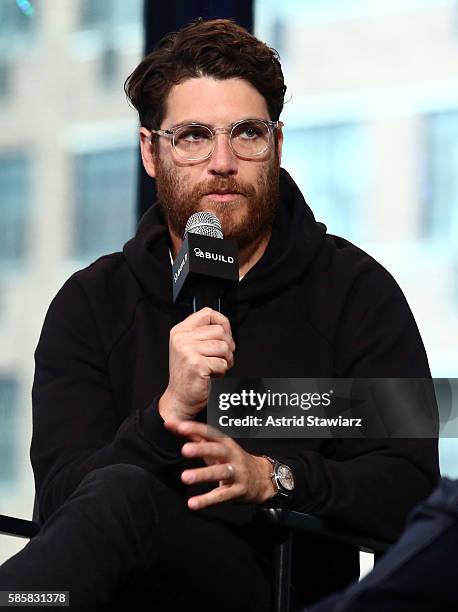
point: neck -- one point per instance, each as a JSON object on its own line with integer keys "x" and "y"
{"x": 248, "y": 256}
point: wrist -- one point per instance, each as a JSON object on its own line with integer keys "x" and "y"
{"x": 266, "y": 486}
{"x": 169, "y": 407}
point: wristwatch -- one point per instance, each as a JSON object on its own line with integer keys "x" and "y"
{"x": 283, "y": 480}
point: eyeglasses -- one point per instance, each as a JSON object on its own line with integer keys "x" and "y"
{"x": 247, "y": 138}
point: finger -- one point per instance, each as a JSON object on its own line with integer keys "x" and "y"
{"x": 215, "y": 496}
{"x": 211, "y": 348}
{"x": 184, "y": 337}
{"x": 212, "y": 332}
{"x": 191, "y": 349}
{"x": 214, "y": 348}
{"x": 215, "y": 317}
{"x": 205, "y": 316}
{"x": 190, "y": 428}
{"x": 173, "y": 425}
{"x": 207, "y": 450}
{"x": 213, "y": 473}
{"x": 218, "y": 366}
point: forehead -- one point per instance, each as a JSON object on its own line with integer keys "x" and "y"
{"x": 214, "y": 102}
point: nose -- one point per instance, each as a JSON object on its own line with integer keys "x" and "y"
{"x": 222, "y": 161}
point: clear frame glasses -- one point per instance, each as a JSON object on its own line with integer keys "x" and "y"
{"x": 248, "y": 138}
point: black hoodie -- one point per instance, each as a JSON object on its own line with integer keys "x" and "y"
{"x": 313, "y": 306}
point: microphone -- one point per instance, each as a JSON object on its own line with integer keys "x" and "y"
{"x": 205, "y": 224}
{"x": 207, "y": 265}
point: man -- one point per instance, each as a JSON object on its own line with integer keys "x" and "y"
{"x": 135, "y": 493}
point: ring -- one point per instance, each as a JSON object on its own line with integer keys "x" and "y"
{"x": 230, "y": 467}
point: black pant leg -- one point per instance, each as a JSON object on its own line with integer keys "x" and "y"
{"x": 123, "y": 536}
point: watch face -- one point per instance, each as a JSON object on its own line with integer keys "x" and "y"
{"x": 285, "y": 477}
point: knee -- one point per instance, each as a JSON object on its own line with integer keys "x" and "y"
{"x": 122, "y": 478}
{"x": 118, "y": 494}
{"x": 124, "y": 474}
{"x": 127, "y": 490}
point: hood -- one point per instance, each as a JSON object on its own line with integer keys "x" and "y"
{"x": 296, "y": 238}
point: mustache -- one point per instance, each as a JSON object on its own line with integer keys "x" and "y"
{"x": 219, "y": 184}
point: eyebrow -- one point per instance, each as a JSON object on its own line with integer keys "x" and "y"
{"x": 212, "y": 125}
{"x": 188, "y": 121}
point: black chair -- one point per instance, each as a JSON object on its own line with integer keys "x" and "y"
{"x": 20, "y": 528}
{"x": 288, "y": 521}
{"x": 285, "y": 521}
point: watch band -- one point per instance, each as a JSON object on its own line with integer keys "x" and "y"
{"x": 272, "y": 474}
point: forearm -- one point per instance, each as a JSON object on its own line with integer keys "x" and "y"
{"x": 370, "y": 493}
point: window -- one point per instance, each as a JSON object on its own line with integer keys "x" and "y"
{"x": 109, "y": 69}
{"x": 103, "y": 13}
{"x": 107, "y": 31}
{"x": 440, "y": 209}
{"x": 14, "y": 20}
{"x": 324, "y": 10}
{"x": 328, "y": 164}
{"x": 8, "y": 429}
{"x": 56, "y": 114}
{"x": 14, "y": 190}
{"x": 278, "y": 34}
{"x": 5, "y": 79}
{"x": 104, "y": 206}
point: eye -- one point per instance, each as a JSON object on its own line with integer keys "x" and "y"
{"x": 192, "y": 133}
{"x": 250, "y": 130}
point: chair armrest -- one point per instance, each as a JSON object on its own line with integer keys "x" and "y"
{"x": 21, "y": 528}
{"x": 299, "y": 521}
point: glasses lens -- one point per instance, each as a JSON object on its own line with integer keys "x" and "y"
{"x": 193, "y": 141}
{"x": 250, "y": 138}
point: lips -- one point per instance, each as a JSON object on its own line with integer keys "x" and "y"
{"x": 223, "y": 195}
{"x": 223, "y": 192}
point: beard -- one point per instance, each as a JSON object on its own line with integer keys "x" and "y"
{"x": 245, "y": 219}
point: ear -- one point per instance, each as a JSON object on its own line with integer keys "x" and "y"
{"x": 147, "y": 152}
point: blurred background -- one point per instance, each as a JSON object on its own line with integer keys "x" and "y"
{"x": 371, "y": 137}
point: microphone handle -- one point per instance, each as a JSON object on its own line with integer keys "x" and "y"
{"x": 207, "y": 293}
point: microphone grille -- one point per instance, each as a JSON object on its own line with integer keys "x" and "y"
{"x": 204, "y": 223}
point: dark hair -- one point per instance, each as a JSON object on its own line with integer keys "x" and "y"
{"x": 217, "y": 48}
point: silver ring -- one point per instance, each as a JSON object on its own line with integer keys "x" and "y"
{"x": 230, "y": 467}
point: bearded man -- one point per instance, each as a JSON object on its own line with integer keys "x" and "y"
{"x": 136, "y": 495}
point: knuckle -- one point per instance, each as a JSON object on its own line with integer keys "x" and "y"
{"x": 192, "y": 360}
{"x": 221, "y": 346}
{"x": 175, "y": 343}
{"x": 177, "y": 338}
{"x": 175, "y": 330}
{"x": 221, "y": 364}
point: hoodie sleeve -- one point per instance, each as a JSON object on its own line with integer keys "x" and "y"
{"x": 76, "y": 423}
{"x": 370, "y": 485}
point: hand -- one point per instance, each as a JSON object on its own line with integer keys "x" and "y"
{"x": 248, "y": 480}
{"x": 201, "y": 346}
